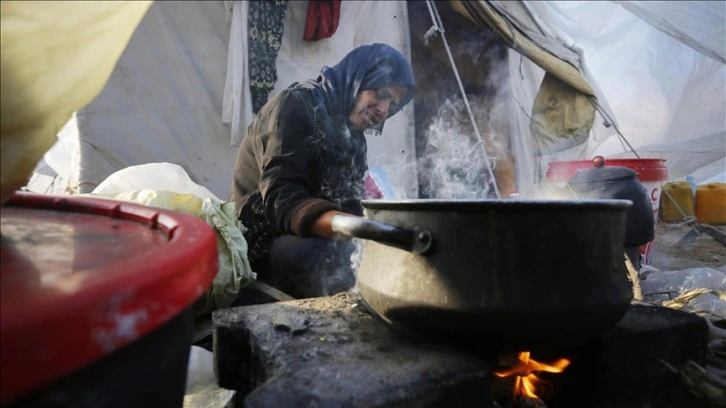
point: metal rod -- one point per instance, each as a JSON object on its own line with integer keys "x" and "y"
{"x": 440, "y": 28}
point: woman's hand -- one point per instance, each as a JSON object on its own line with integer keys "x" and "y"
{"x": 322, "y": 226}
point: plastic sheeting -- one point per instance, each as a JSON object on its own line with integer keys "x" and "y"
{"x": 161, "y": 104}
{"x": 697, "y": 290}
{"x": 661, "y": 91}
{"x": 698, "y": 24}
{"x": 701, "y": 157}
{"x": 43, "y": 83}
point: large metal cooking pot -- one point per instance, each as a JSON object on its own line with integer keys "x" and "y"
{"x": 508, "y": 274}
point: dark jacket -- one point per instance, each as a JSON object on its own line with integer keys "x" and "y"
{"x": 296, "y": 163}
{"x": 300, "y": 159}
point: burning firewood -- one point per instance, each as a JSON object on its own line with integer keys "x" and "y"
{"x": 525, "y": 402}
{"x": 523, "y": 370}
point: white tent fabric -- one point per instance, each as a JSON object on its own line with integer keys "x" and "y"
{"x": 237, "y": 103}
{"x": 660, "y": 90}
{"x": 658, "y": 66}
{"x": 699, "y": 24}
{"x": 161, "y": 104}
{"x": 42, "y": 82}
{"x": 702, "y": 157}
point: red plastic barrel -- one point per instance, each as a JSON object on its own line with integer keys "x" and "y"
{"x": 647, "y": 169}
{"x": 652, "y": 173}
{"x": 83, "y": 277}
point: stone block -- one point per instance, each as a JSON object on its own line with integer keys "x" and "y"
{"x": 330, "y": 352}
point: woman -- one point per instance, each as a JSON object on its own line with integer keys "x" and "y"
{"x": 303, "y": 161}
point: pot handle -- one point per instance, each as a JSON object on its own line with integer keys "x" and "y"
{"x": 416, "y": 240}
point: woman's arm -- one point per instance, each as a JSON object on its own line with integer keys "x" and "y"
{"x": 290, "y": 205}
{"x": 322, "y": 226}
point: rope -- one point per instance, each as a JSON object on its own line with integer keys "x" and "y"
{"x": 687, "y": 219}
{"x": 611, "y": 122}
{"x": 438, "y": 26}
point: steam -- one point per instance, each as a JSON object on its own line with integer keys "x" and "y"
{"x": 456, "y": 156}
{"x": 333, "y": 271}
{"x": 454, "y": 159}
{"x": 355, "y": 259}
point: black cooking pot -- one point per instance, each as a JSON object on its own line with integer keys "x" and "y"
{"x": 509, "y": 274}
{"x": 616, "y": 182}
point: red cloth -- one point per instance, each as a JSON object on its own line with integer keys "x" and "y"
{"x": 322, "y": 19}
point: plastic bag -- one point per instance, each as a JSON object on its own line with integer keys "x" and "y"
{"x": 696, "y": 290}
{"x": 235, "y": 271}
{"x": 202, "y": 390}
{"x": 678, "y": 281}
{"x": 167, "y": 176}
{"x": 700, "y": 301}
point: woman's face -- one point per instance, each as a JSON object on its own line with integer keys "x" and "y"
{"x": 373, "y": 106}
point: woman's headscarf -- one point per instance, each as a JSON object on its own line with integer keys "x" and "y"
{"x": 366, "y": 67}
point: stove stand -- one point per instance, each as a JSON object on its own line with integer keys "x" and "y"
{"x": 331, "y": 352}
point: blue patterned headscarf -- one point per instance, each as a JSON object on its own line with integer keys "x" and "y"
{"x": 366, "y": 67}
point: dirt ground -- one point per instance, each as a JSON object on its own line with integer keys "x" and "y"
{"x": 704, "y": 251}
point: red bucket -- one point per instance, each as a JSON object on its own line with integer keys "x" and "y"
{"x": 652, "y": 173}
{"x": 89, "y": 286}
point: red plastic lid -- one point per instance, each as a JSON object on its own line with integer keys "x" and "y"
{"x": 81, "y": 277}
{"x": 647, "y": 169}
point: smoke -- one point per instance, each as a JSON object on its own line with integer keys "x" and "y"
{"x": 333, "y": 270}
{"x": 454, "y": 160}
{"x": 355, "y": 259}
{"x": 452, "y": 155}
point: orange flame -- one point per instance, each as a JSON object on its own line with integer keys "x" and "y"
{"x": 526, "y": 381}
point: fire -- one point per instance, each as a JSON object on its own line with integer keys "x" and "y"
{"x": 525, "y": 369}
